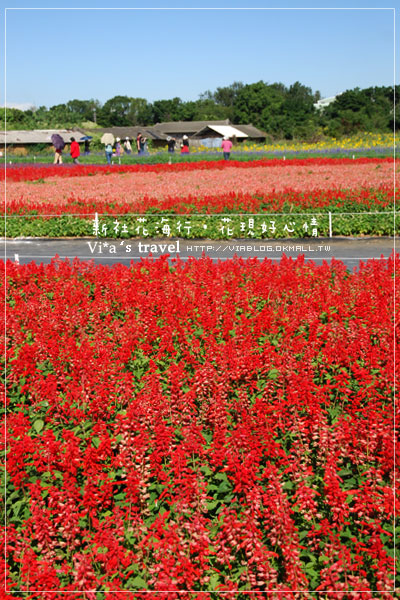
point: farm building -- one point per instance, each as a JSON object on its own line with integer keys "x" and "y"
{"x": 205, "y": 132}
{"x": 22, "y": 139}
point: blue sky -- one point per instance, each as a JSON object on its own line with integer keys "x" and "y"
{"x": 53, "y": 56}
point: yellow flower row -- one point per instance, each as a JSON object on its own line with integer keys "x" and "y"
{"x": 365, "y": 141}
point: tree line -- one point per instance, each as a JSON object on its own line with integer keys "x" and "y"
{"x": 283, "y": 112}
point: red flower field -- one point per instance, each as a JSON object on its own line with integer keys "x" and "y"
{"x": 207, "y": 427}
{"x": 209, "y": 187}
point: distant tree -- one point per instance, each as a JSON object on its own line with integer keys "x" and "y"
{"x": 140, "y": 112}
{"x": 223, "y": 97}
{"x": 226, "y": 96}
{"x": 59, "y": 116}
{"x": 370, "y": 109}
{"x": 114, "y": 112}
{"x": 394, "y": 119}
{"x": 261, "y": 104}
{"x": 300, "y": 117}
{"x": 16, "y": 119}
{"x": 279, "y": 111}
{"x": 167, "y": 110}
{"x": 208, "y": 110}
{"x": 83, "y": 110}
{"x": 121, "y": 111}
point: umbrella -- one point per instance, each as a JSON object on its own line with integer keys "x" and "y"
{"x": 57, "y": 141}
{"x": 85, "y": 138}
{"x": 107, "y": 138}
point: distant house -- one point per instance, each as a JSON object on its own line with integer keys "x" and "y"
{"x": 324, "y": 102}
{"x": 26, "y": 138}
{"x": 200, "y": 132}
{"x": 219, "y": 131}
{"x": 178, "y": 129}
{"x": 252, "y": 132}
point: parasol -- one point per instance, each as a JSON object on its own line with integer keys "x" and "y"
{"x": 57, "y": 141}
{"x": 86, "y": 138}
{"x": 107, "y": 138}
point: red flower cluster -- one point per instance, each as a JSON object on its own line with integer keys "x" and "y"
{"x": 33, "y": 173}
{"x": 200, "y": 427}
{"x": 378, "y": 199}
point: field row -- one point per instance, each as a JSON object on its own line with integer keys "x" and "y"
{"x": 267, "y": 188}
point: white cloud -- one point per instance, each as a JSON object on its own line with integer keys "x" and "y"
{"x": 19, "y": 105}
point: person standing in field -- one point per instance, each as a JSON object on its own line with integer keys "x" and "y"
{"x": 57, "y": 156}
{"x": 140, "y": 143}
{"x": 75, "y": 151}
{"x": 226, "y": 147}
{"x": 118, "y": 147}
{"x": 127, "y": 145}
{"x": 185, "y": 144}
{"x": 171, "y": 144}
{"x": 109, "y": 153}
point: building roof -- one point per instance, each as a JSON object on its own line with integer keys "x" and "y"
{"x": 192, "y": 128}
{"x": 251, "y": 131}
{"x": 38, "y": 136}
{"x": 131, "y": 132}
{"x": 324, "y": 102}
{"x": 186, "y": 127}
{"x": 224, "y": 130}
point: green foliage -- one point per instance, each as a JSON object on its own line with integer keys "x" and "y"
{"x": 123, "y": 111}
{"x": 370, "y": 109}
{"x": 376, "y": 224}
{"x": 281, "y": 112}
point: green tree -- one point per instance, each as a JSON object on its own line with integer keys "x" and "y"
{"x": 224, "y": 99}
{"x": 300, "y": 118}
{"x": 121, "y": 111}
{"x": 16, "y": 119}
{"x": 208, "y": 110}
{"x": 83, "y": 110}
{"x": 356, "y": 110}
{"x": 167, "y": 110}
{"x": 261, "y": 104}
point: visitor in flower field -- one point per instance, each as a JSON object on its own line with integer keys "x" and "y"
{"x": 141, "y": 143}
{"x": 185, "y": 145}
{"x": 127, "y": 146}
{"x": 87, "y": 148}
{"x": 226, "y": 147}
{"x": 171, "y": 143}
{"x": 185, "y": 142}
{"x": 57, "y": 156}
{"x": 138, "y": 138}
{"x": 109, "y": 151}
{"x": 118, "y": 147}
{"x": 75, "y": 151}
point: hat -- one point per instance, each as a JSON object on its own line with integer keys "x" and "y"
{"x": 127, "y": 138}
{"x": 185, "y": 137}
{"x": 118, "y": 140}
